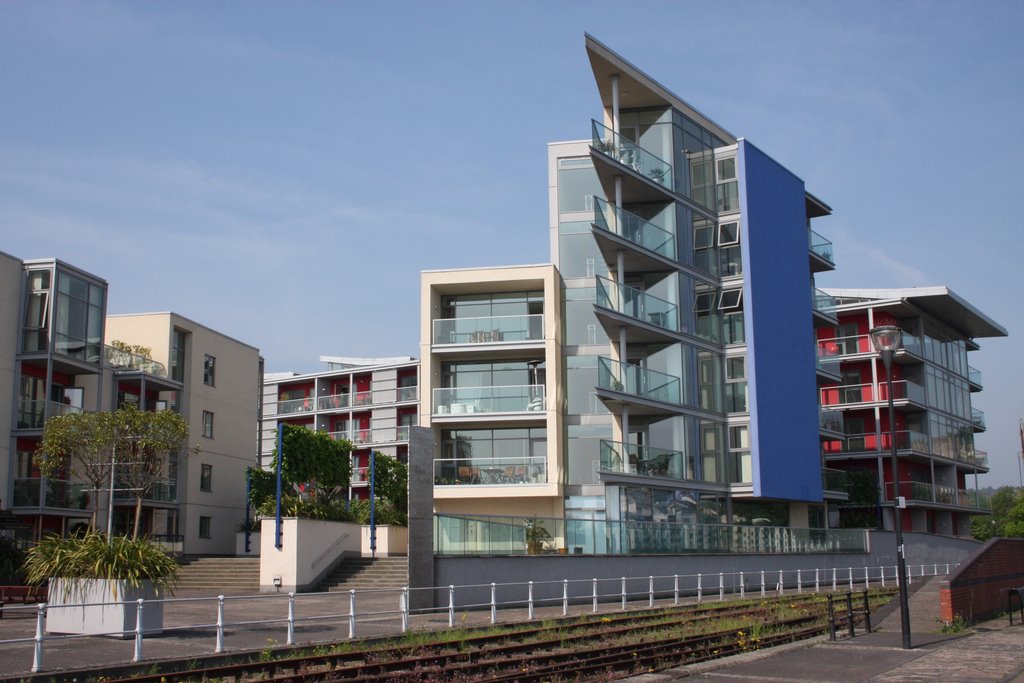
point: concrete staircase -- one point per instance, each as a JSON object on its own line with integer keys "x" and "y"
{"x": 219, "y": 575}
{"x": 362, "y": 573}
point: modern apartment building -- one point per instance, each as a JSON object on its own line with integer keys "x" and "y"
{"x": 372, "y": 402}
{"x": 932, "y": 389}
{"x": 58, "y": 353}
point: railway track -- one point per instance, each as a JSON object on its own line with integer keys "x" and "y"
{"x": 577, "y": 648}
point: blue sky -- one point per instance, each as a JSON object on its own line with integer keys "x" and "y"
{"x": 283, "y": 171}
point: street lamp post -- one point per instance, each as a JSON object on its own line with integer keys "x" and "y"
{"x": 886, "y": 340}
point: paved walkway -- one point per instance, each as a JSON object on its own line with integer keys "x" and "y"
{"x": 994, "y": 651}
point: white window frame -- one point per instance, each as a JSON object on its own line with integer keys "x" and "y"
{"x": 710, "y": 299}
{"x": 721, "y": 236}
{"x": 723, "y": 305}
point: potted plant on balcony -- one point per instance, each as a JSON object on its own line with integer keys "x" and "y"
{"x": 536, "y": 534}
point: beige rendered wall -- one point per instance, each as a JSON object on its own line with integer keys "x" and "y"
{"x": 10, "y": 309}
{"x": 233, "y": 400}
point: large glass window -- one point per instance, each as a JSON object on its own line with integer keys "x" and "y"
{"x": 37, "y": 311}
{"x": 577, "y": 185}
{"x": 736, "y": 384}
{"x": 78, "y": 323}
{"x": 492, "y": 456}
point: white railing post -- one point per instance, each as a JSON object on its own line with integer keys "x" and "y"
{"x": 817, "y": 585}
{"x": 529, "y": 600}
{"x": 352, "y": 613}
{"x": 721, "y": 586}
{"x": 851, "y": 577}
{"x": 947, "y": 567}
{"x": 451, "y": 606}
{"x": 782, "y": 584}
{"x": 650, "y": 591}
{"x": 291, "y": 618}
{"x": 675, "y": 589}
{"x": 37, "y": 654}
{"x": 700, "y": 588}
{"x": 867, "y": 579}
{"x": 762, "y": 583}
{"x": 565, "y": 597}
{"x": 833, "y": 579}
{"x": 137, "y": 655}
{"x": 403, "y": 606}
{"x": 881, "y": 571}
{"x": 743, "y": 586}
{"x": 494, "y": 604}
{"x": 623, "y": 593}
{"x": 910, "y": 576}
{"x": 799, "y": 581}
{"x": 595, "y": 596}
{"x": 220, "y": 625}
{"x": 935, "y": 570}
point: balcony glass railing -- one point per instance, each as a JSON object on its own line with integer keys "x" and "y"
{"x": 504, "y": 399}
{"x": 979, "y": 458}
{"x": 636, "y": 304}
{"x": 628, "y": 153}
{"x": 633, "y": 228}
{"x": 494, "y": 535}
{"x": 943, "y": 495}
{"x": 333, "y": 402}
{"x": 360, "y": 475}
{"x": 826, "y": 357}
{"x": 162, "y": 492}
{"x": 978, "y": 418}
{"x": 974, "y": 375}
{"x": 870, "y": 442}
{"x": 489, "y": 329}
{"x": 830, "y": 420}
{"x": 823, "y": 303}
{"x": 629, "y": 458}
{"x": 820, "y": 246}
{"x": 637, "y": 381}
{"x": 491, "y": 471}
{"x": 833, "y": 480}
{"x": 408, "y": 393}
{"x": 861, "y": 343}
{"x": 846, "y": 394}
{"x": 295, "y": 405}
{"x": 33, "y": 413}
{"x": 59, "y": 493}
{"x": 119, "y": 359}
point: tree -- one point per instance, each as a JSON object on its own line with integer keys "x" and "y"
{"x": 1007, "y": 518}
{"x": 314, "y": 464}
{"x": 391, "y": 481}
{"x": 86, "y": 446}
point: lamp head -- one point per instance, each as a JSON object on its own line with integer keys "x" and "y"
{"x": 886, "y": 340}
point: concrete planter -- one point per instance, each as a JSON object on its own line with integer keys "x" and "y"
{"x": 254, "y": 544}
{"x": 102, "y": 607}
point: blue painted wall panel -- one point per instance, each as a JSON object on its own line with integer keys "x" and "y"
{"x": 779, "y": 330}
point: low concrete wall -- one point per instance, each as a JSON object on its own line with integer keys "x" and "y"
{"x": 254, "y": 544}
{"x": 391, "y": 541}
{"x": 310, "y": 549}
{"x": 549, "y": 571}
{"x": 979, "y": 586}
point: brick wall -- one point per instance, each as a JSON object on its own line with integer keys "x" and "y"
{"x": 979, "y": 586}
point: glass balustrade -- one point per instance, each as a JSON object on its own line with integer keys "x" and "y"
{"x": 637, "y": 381}
{"x": 32, "y": 414}
{"x": 489, "y": 329}
{"x": 833, "y": 479}
{"x": 902, "y": 390}
{"x": 333, "y": 402}
{"x": 975, "y": 375}
{"x": 125, "y": 360}
{"x": 906, "y": 439}
{"x": 633, "y": 228}
{"x": 820, "y": 246}
{"x": 629, "y": 154}
{"x": 27, "y": 492}
{"x": 503, "y": 399}
{"x": 629, "y": 458}
{"x": 830, "y": 420}
{"x": 508, "y": 535}
{"x": 57, "y": 493}
{"x": 978, "y": 418}
{"x": 636, "y": 304}
{"x": 491, "y": 471}
{"x": 295, "y": 405}
{"x": 823, "y": 303}
{"x": 408, "y": 393}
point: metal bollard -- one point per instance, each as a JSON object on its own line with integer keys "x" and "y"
{"x": 781, "y": 588}
{"x": 743, "y": 586}
{"x": 867, "y": 581}
{"x": 849, "y": 612}
{"x": 650, "y": 591}
{"x": 935, "y": 570}
{"x": 291, "y": 618}
{"x": 762, "y": 583}
{"x": 623, "y": 593}
{"x": 565, "y": 597}
{"x": 851, "y": 578}
{"x": 721, "y": 586}
{"x": 817, "y": 585}
{"x": 675, "y": 589}
{"x": 833, "y": 578}
{"x": 799, "y": 581}
{"x": 352, "y": 613}
{"x": 451, "y": 606}
{"x": 529, "y": 600}
{"x": 881, "y": 570}
{"x": 595, "y": 596}
{"x": 494, "y": 604}
{"x": 700, "y": 588}
{"x": 403, "y": 605}
{"x": 137, "y": 656}
{"x": 37, "y": 655}
{"x": 220, "y": 625}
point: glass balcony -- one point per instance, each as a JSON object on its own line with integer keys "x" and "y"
{"x": 633, "y": 228}
{"x": 826, "y": 356}
{"x": 504, "y": 399}
{"x": 333, "y": 402}
{"x": 489, "y": 329}
{"x": 32, "y": 413}
{"x": 163, "y": 492}
{"x": 976, "y": 457}
{"x": 506, "y": 535}
{"x": 974, "y": 375}
{"x": 636, "y": 304}
{"x": 408, "y": 393}
{"x": 978, "y": 418}
{"x": 974, "y": 499}
{"x": 870, "y": 442}
{"x": 629, "y": 458}
{"x": 833, "y": 480}
{"x": 360, "y": 475}
{"x": 611, "y": 144}
{"x": 27, "y": 492}
{"x": 823, "y": 303}
{"x": 491, "y": 471}
{"x": 59, "y": 493}
{"x": 637, "y": 381}
{"x": 820, "y": 246}
{"x": 836, "y": 347}
{"x": 847, "y": 394}
{"x": 830, "y": 420}
{"x": 295, "y": 405}
{"x": 125, "y": 360}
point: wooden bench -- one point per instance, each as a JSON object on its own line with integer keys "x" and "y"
{"x": 22, "y": 595}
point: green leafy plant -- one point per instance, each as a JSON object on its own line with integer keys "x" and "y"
{"x": 535, "y": 530}
{"x": 90, "y": 556}
{"x": 11, "y": 559}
